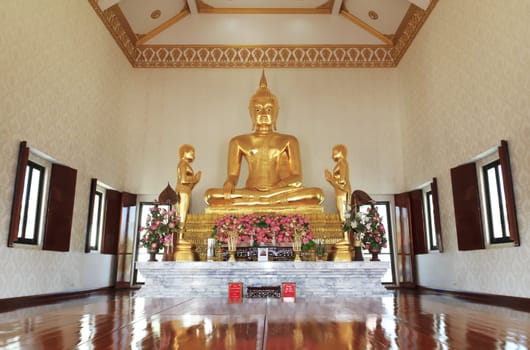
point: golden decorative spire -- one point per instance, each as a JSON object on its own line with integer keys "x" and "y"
{"x": 263, "y": 80}
{"x": 263, "y": 90}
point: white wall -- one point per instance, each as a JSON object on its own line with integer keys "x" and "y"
{"x": 464, "y": 86}
{"x": 321, "y": 107}
{"x": 60, "y": 90}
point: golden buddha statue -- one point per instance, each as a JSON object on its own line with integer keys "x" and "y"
{"x": 274, "y": 166}
{"x": 339, "y": 178}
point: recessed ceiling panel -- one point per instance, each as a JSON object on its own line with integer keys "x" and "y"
{"x": 264, "y": 6}
{"x": 264, "y": 30}
{"x": 145, "y": 15}
{"x": 383, "y": 15}
{"x": 264, "y": 3}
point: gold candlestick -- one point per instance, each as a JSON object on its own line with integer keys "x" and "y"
{"x": 297, "y": 246}
{"x": 232, "y": 245}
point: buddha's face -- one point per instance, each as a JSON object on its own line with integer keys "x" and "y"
{"x": 264, "y": 112}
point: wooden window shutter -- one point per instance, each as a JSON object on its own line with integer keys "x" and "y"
{"x": 467, "y": 207}
{"x": 92, "y": 194}
{"x": 60, "y": 209}
{"x": 436, "y": 213}
{"x": 111, "y": 222}
{"x": 23, "y": 155}
{"x": 419, "y": 240}
{"x": 506, "y": 169}
{"x": 128, "y": 199}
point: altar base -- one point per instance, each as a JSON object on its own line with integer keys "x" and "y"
{"x": 313, "y": 279}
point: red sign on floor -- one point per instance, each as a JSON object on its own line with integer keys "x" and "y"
{"x": 235, "y": 292}
{"x": 288, "y": 291}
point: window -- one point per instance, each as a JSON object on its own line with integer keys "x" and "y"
{"x": 43, "y": 201}
{"x": 32, "y": 197}
{"x": 495, "y": 203}
{"x": 97, "y": 214}
{"x": 431, "y": 228}
{"x": 484, "y": 200}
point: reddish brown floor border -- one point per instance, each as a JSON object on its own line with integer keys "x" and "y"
{"x": 516, "y": 303}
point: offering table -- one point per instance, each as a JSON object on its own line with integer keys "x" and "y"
{"x": 313, "y": 279}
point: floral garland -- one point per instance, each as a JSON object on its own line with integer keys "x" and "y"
{"x": 257, "y": 230}
{"x": 159, "y": 228}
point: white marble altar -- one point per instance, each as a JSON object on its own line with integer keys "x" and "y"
{"x": 313, "y": 279}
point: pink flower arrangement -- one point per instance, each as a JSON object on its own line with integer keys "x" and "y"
{"x": 159, "y": 228}
{"x": 264, "y": 229}
{"x": 372, "y": 228}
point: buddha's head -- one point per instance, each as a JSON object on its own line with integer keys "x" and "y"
{"x": 263, "y": 107}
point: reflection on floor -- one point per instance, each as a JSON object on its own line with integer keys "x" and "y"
{"x": 397, "y": 321}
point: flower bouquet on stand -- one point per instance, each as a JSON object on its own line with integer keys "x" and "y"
{"x": 355, "y": 227}
{"x": 373, "y": 236}
{"x": 159, "y": 229}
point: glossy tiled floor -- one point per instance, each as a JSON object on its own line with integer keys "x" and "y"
{"x": 397, "y": 321}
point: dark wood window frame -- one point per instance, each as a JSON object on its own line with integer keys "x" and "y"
{"x": 31, "y": 167}
{"x": 504, "y": 157}
{"x": 23, "y": 155}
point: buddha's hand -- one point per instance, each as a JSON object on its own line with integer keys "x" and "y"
{"x": 228, "y": 189}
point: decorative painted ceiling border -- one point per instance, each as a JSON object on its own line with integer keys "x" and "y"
{"x": 273, "y": 56}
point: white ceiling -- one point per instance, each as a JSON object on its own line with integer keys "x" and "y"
{"x": 244, "y": 33}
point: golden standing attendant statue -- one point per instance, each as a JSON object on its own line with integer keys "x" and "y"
{"x": 186, "y": 180}
{"x": 274, "y": 166}
{"x": 339, "y": 178}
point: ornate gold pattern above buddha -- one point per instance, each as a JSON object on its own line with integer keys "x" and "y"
{"x": 273, "y": 159}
